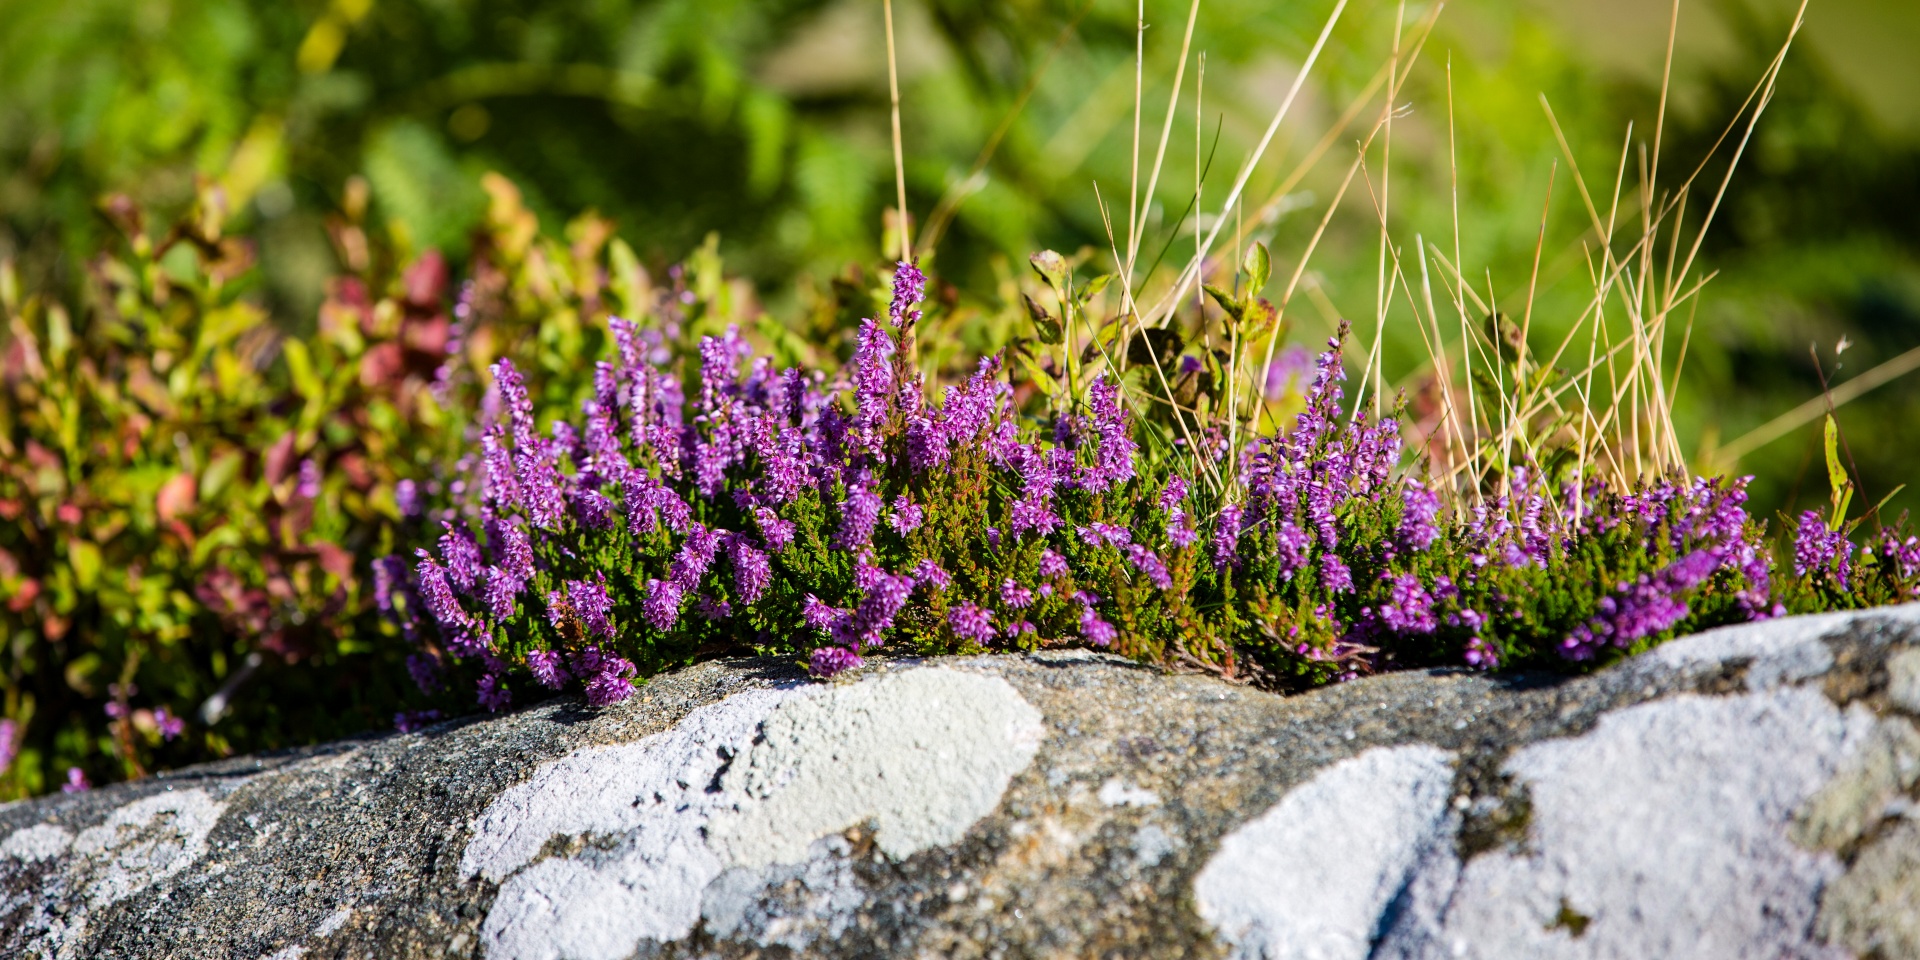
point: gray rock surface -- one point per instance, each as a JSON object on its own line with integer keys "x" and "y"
{"x": 1745, "y": 792}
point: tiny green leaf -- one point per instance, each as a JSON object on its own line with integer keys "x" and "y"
{"x": 1051, "y": 267}
{"x": 1046, "y": 326}
{"x": 1258, "y": 267}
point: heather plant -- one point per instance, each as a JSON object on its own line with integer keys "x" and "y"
{"x": 824, "y": 516}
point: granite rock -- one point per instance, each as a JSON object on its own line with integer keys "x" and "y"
{"x": 1744, "y": 792}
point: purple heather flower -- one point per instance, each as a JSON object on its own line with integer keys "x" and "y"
{"x": 9, "y": 745}
{"x": 1148, "y": 562}
{"x": 752, "y": 571}
{"x": 1032, "y": 514}
{"x": 713, "y": 610}
{"x": 1817, "y": 549}
{"x": 548, "y": 667}
{"x": 661, "y": 608}
{"x": 493, "y": 693}
{"x": 776, "y": 532}
{"x": 1174, "y": 493}
{"x": 1113, "y": 457}
{"x": 406, "y": 496}
{"x": 425, "y": 671}
{"x": 76, "y": 781}
{"x": 170, "y": 726}
{"x": 438, "y": 594}
{"x": 1180, "y": 531}
{"x": 1015, "y": 596}
{"x": 592, "y": 605}
{"x": 513, "y": 396}
{"x": 512, "y": 551}
{"x": 971, "y": 623}
{"x": 909, "y": 288}
{"x": 462, "y": 557}
{"x": 872, "y": 381}
{"x": 695, "y": 556}
{"x": 309, "y": 483}
{"x": 389, "y": 572}
{"x": 819, "y": 615}
{"x": 1641, "y": 609}
{"x": 1334, "y": 575}
{"x": 408, "y": 721}
{"x": 1053, "y": 566}
{"x": 828, "y": 661}
{"x": 1292, "y": 544}
{"x": 869, "y": 621}
{"x": 502, "y": 593}
{"x": 1095, "y": 630}
{"x": 1226, "y": 537}
{"x": 612, "y": 684}
{"x": 1287, "y": 371}
{"x": 1481, "y": 654}
{"x": 1419, "y": 506}
{"x": 930, "y": 574}
{"x": 593, "y": 509}
{"x": 907, "y": 516}
{"x": 859, "y": 513}
{"x": 1409, "y": 608}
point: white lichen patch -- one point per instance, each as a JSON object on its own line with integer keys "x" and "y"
{"x": 924, "y": 754}
{"x": 1312, "y": 876}
{"x": 145, "y": 842}
{"x": 1662, "y": 832}
{"x": 42, "y": 841}
{"x": 139, "y": 845}
{"x": 612, "y": 846}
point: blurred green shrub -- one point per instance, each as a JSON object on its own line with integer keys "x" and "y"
{"x": 190, "y": 499}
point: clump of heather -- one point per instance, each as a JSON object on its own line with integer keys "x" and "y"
{"x": 724, "y": 504}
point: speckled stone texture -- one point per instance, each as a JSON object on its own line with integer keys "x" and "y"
{"x": 1746, "y": 792}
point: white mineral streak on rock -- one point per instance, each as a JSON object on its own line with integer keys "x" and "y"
{"x": 635, "y": 834}
{"x": 1665, "y": 828}
{"x": 1312, "y": 876}
{"x": 42, "y": 841}
{"x": 923, "y": 753}
{"x": 1119, "y": 793}
{"x": 145, "y": 842}
{"x": 332, "y": 922}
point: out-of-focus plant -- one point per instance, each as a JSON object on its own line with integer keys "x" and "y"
{"x": 190, "y": 495}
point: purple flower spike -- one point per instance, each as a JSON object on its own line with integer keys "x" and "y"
{"x": 752, "y": 572}
{"x": 828, "y": 661}
{"x": 906, "y": 517}
{"x": 1819, "y": 550}
{"x": 548, "y": 667}
{"x": 662, "y": 606}
{"x": 1148, "y": 563}
{"x": 494, "y": 694}
{"x": 971, "y": 623}
{"x": 1053, "y": 566}
{"x": 909, "y": 288}
{"x": 1015, "y": 596}
{"x": 170, "y": 726}
{"x": 612, "y": 684}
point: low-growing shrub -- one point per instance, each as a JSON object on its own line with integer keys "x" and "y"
{"x": 823, "y": 514}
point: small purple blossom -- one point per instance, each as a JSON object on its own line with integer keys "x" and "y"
{"x": 1817, "y": 549}
{"x": 77, "y": 781}
{"x": 930, "y": 574}
{"x": 909, "y": 288}
{"x": 493, "y": 693}
{"x": 548, "y": 667}
{"x": 906, "y": 516}
{"x": 1148, "y": 563}
{"x": 827, "y": 661}
{"x": 169, "y": 725}
{"x": 1053, "y": 566}
{"x": 661, "y": 609}
{"x": 1015, "y": 596}
{"x": 971, "y": 623}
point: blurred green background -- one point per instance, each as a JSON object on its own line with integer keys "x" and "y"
{"x": 766, "y": 123}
